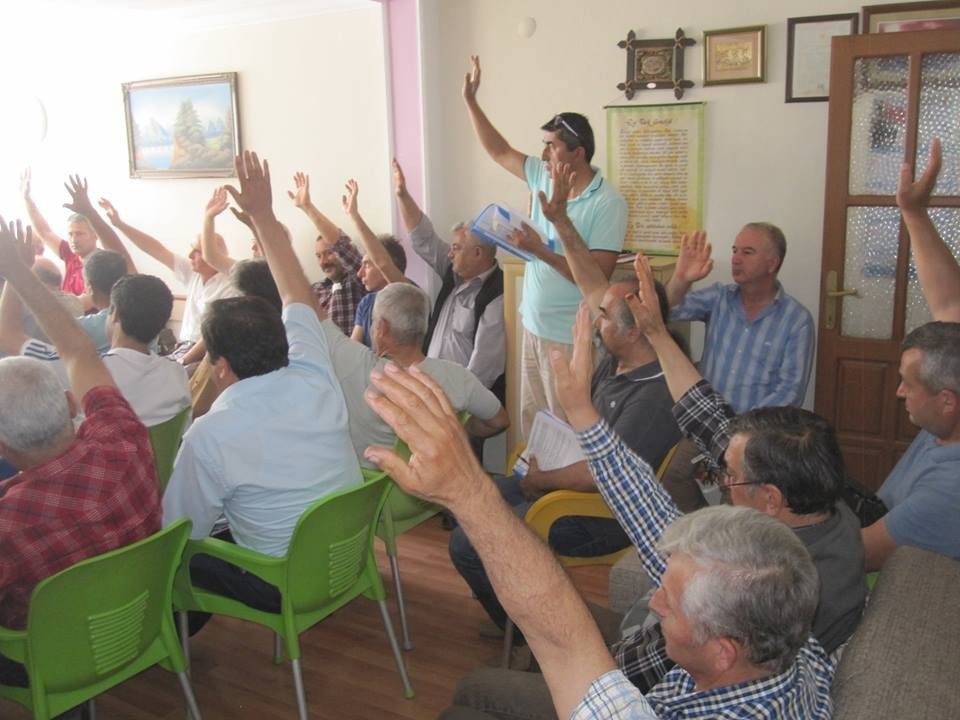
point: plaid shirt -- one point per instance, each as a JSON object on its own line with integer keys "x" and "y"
{"x": 340, "y": 300}
{"x": 99, "y": 495}
{"x": 644, "y": 509}
{"x": 703, "y": 416}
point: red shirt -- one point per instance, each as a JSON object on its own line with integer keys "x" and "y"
{"x": 99, "y": 495}
{"x": 72, "y": 270}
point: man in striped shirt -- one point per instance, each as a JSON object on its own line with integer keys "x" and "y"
{"x": 758, "y": 350}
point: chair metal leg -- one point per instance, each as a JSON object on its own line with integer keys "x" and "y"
{"x": 507, "y": 644}
{"x": 397, "y": 655}
{"x": 398, "y": 584}
{"x": 298, "y": 686}
{"x": 89, "y": 711}
{"x": 194, "y": 711}
{"x": 183, "y": 623}
{"x": 277, "y": 649}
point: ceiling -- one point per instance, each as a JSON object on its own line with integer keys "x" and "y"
{"x": 193, "y": 15}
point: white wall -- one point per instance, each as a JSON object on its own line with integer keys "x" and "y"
{"x": 312, "y": 96}
{"x": 765, "y": 159}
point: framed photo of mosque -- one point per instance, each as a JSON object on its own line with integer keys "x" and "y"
{"x": 183, "y": 126}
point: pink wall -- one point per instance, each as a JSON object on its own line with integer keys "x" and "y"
{"x": 406, "y": 122}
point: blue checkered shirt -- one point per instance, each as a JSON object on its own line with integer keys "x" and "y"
{"x": 644, "y": 509}
{"x": 763, "y": 362}
{"x": 703, "y": 416}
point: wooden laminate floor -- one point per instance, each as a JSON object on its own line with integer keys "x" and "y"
{"x": 348, "y": 668}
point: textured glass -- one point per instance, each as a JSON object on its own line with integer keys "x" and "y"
{"x": 870, "y": 268}
{"x": 947, "y": 222}
{"x": 940, "y": 117}
{"x": 879, "y": 117}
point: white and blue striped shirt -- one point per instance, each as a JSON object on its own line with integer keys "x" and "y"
{"x": 764, "y": 362}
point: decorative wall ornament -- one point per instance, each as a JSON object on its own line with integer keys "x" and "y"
{"x": 655, "y": 64}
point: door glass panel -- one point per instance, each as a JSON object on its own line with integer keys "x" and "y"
{"x": 947, "y": 222}
{"x": 940, "y": 117}
{"x": 870, "y": 268}
{"x": 879, "y": 124}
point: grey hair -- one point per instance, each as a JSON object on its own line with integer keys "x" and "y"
{"x": 489, "y": 250}
{"x": 406, "y": 308}
{"x": 755, "y": 583}
{"x": 940, "y": 364}
{"x": 78, "y": 218}
{"x": 776, "y": 237}
{"x": 33, "y": 405}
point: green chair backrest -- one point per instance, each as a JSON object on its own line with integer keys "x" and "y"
{"x": 332, "y": 544}
{"x": 165, "y": 439}
{"x": 102, "y": 620}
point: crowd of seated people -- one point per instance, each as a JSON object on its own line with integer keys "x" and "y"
{"x": 752, "y": 601}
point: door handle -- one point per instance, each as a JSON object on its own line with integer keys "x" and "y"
{"x": 832, "y": 292}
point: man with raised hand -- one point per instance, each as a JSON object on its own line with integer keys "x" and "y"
{"x": 758, "y": 350}
{"x": 276, "y": 439}
{"x": 78, "y": 493}
{"x": 340, "y": 292}
{"x": 203, "y": 282}
{"x": 737, "y": 614}
{"x": 598, "y": 212}
{"x": 627, "y": 389}
{"x": 467, "y": 323}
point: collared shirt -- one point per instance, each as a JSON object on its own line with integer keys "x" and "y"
{"x": 99, "y": 495}
{"x": 269, "y": 447}
{"x": 482, "y": 352}
{"x": 73, "y": 282}
{"x": 762, "y": 362}
{"x": 340, "y": 299}
{"x": 199, "y": 293}
{"x": 644, "y": 509}
{"x": 353, "y": 363}
{"x": 599, "y": 214}
{"x": 156, "y": 387}
{"x": 95, "y": 326}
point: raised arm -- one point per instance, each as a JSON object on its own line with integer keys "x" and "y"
{"x": 79, "y": 356}
{"x": 328, "y": 229}
{"x": 534, "y": 590}
{"x": 492, "y": 141}
{"x": 410, "y": 212}
{"x": 586, "y": 273}
{"x": 937, "y": 269}
{"x": 693, "y": 264}
{"x": 146, "y": 243}
{"x": 213, "y": 252}
{"x": 371, "y": 243}
{"x": 529, "y": 240}
{"x": 40, "y": 226}
{"x": 245, "y": 219}
{"x": 255, "y": 197}
{"x": 80, "y": 203}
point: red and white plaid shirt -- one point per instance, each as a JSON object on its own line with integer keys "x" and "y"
{"x": 99, "y": 495}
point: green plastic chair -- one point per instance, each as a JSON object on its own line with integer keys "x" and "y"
{"x": 330, "y": 562}
{"x": 99, "y": 622}
{"x": 402, "y": 512}
{"x": 165, "y": 439}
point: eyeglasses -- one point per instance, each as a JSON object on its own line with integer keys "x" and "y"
{"x": 558, "y": 120}
{"x": 724, "y": 476}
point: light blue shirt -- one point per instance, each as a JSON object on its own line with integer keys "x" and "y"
{"x": 764, "y": 362}
{"x": 599, "y": 214}
{"x": 923, "y": 494}
{"x": 96, "y": 327}
{"x": 269, "y": 447}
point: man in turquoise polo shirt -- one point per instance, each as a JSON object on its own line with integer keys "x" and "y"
{"x": 597, "y": 211}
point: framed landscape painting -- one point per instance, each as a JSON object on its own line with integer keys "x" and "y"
{"x": 182, "y": 127}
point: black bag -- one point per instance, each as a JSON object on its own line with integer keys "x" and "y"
{"x": 865, "y": 504}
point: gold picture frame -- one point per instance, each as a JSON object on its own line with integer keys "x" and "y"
{"x": 735, "y": 55}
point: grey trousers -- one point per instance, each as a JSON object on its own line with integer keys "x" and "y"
{"x": 513, "y": 694}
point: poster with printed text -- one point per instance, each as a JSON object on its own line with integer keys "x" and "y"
{"x": 655, "y": 160}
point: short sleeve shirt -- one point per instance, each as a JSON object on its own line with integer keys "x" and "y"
{"x": 599, "y": 213}
{"x": 199, "y": 293}
{"x": 73, "y": 270}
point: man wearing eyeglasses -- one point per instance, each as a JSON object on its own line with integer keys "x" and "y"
{"x": 597, "y": 211}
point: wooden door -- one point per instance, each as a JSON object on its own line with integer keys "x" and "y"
{"x": 890, "y": 95}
